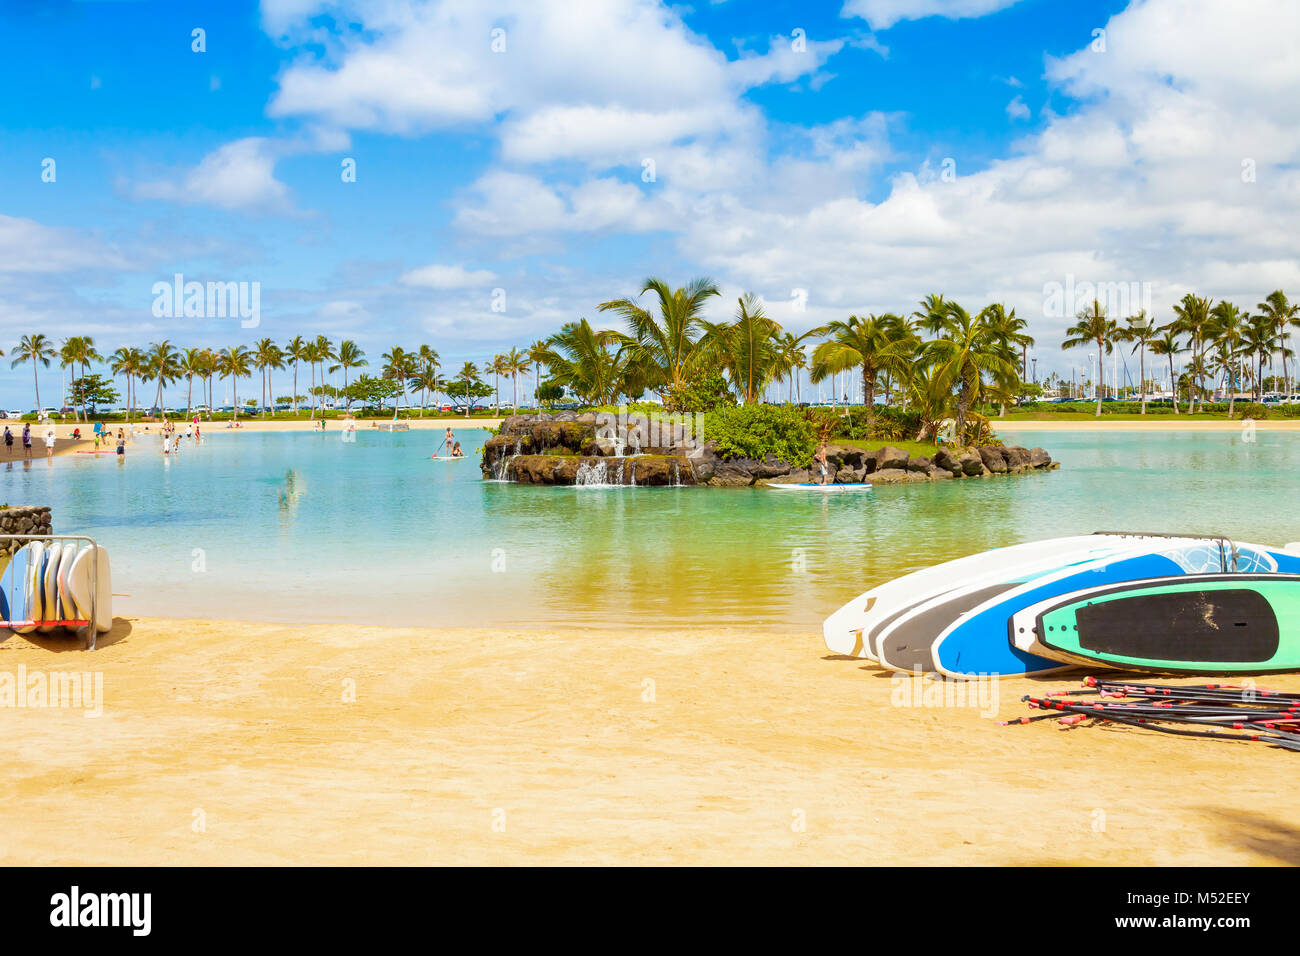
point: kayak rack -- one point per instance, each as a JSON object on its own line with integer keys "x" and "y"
{"x": 8, "y": 583}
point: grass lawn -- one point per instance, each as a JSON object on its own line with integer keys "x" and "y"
{"x": 1039, "y": 416}
{"x": 914, "y": 449}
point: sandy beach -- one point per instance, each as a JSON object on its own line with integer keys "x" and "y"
{"x": 223, "y": 743}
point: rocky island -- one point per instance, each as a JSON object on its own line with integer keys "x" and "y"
{"x": 591, "y": 448}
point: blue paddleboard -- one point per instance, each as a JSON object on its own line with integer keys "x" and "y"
{"x": 981, "y": 644}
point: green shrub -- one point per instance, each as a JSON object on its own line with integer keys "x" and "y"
{"x": 891, "y": 424}
{"x": 705, "y": 395}
{"x": 755, "y": 431}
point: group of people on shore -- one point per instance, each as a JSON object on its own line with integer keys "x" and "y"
{"x": 105, "y": 438}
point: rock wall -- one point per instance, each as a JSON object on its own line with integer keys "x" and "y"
{"x": 25, "y": 519}
{"x": 569, "y": 448}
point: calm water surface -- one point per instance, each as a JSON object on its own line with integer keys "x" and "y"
{"x": 301, "y": 526}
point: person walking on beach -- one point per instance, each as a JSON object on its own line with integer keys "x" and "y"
{"x": 27, "y": 440}
{"x": 121, "y": 447}
{"x": 167, "y": 444}
{"x": 49, "y": 442}
{"x": 9, "y": 442}
{"x": 820, "y": 458}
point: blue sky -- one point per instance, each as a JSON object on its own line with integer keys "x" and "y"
{"x": 812, "y": 176}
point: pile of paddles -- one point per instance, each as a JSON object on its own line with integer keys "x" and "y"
{"x": 1176, "y": 604}
{"x": 1215, "y": 711}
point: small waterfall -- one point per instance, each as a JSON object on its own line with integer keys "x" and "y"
{"x": 677, "y": 474}
{"x": 619, "y": 479}
{"x": 591, "y": 474}
{"x": 632, "y": 482}
{"x": 501, "y": 467}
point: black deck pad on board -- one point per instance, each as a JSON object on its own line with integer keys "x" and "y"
{"x": 908, "y": 647}
{"x": 1236, "y": 626}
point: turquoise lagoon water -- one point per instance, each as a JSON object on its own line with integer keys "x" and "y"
{"x": 301, "y": 526}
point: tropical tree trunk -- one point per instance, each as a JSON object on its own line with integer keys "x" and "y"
{"x": 1173, "y": 383}
{"x": 1101, "y": 374}
{"x": 36, "y": 378}
{"x": 1142, "y": 376}
{"x": 869, "y": 395}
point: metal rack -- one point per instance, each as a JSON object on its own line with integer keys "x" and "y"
{"x": 7, "y": 581}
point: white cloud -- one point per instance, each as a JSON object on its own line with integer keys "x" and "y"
{"x": 882, "y": 14}
{"x": 29, "y": 246}
{"x": 239, "y": 175}
{"x": 437, "y": 276}
{"x": 513, "y": 204}
{"x": 1017, "y": 109}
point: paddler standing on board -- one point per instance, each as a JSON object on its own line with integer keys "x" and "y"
{"x": 820, "y": 458}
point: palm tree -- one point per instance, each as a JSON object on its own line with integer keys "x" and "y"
{"x": 537, "y": 354}
{"x": 1140, "y": 330}
{"x": 295, "y": 351}
{"x": 869, "y": 344}
{"x": 745, "y": 348}
{"x": 311, "y": 354}
{"x": 233, "y": 363}
{"x": 1007, "y": 333}
{"x": 267, "y": 356}
{"x": 1226, "y": 331}
{"x": 425, "y": 378}
{"x": 161, "y": 366}
{"x": 580, "y": 358}
{"x": 1258, "y": 340}
{"x": 1191, "y": 316}
{"x": 1168, "y": 344}
{"x": 34, "y": 348}
{"x": 468, "y": 372}
{"x": 967, "y": 348}
{"x": 514, "y": 364}
{"x": 191, "y": 363}
{"x": 1281, "y": 314}
{"x": 427, "y": 359}
{"x": 497, "y": 367}
{"x": 667, "y": 347}
{"x": 324, "y": 351}
{"x": 211, "y": 362}
{"x": 77, "y": 353}
{"x": 1094, "y": 328}
{"x": 398, "y": 365}
{"x": 348, "y": 356}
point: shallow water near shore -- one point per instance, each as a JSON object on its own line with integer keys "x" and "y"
{"x": 304, "y": 527}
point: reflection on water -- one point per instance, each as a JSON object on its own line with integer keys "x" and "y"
{"x": 305, "y": 527}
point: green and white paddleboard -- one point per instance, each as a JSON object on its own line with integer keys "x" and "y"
{"x": 1189, "y": 624}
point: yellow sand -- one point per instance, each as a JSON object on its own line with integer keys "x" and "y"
{"x": 226, "y": 743}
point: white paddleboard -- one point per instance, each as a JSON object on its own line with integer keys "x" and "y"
{"x": 50, "y": 585}
{"x": 812, "y": 486}
{"x": 33, "y": 596}
{"x": 67, "y": 605}
{"x": 447, "y": 458}
{"x": 851, "y": 629}
{"x": 81, "y": 581}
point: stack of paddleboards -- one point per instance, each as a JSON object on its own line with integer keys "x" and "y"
{"x": 1131, "y": 601}
{"x": 53, "y": 585}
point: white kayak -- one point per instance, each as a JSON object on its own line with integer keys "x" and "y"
{"x": 813, "y": 486}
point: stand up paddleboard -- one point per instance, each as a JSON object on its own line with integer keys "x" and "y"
{"x": 447, "y": 458}
{"x": 1191, "y": 624}
{"x": 979, "y": 642}
{"x": 812, "y": 486}
{"x": 853, "y": 630}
